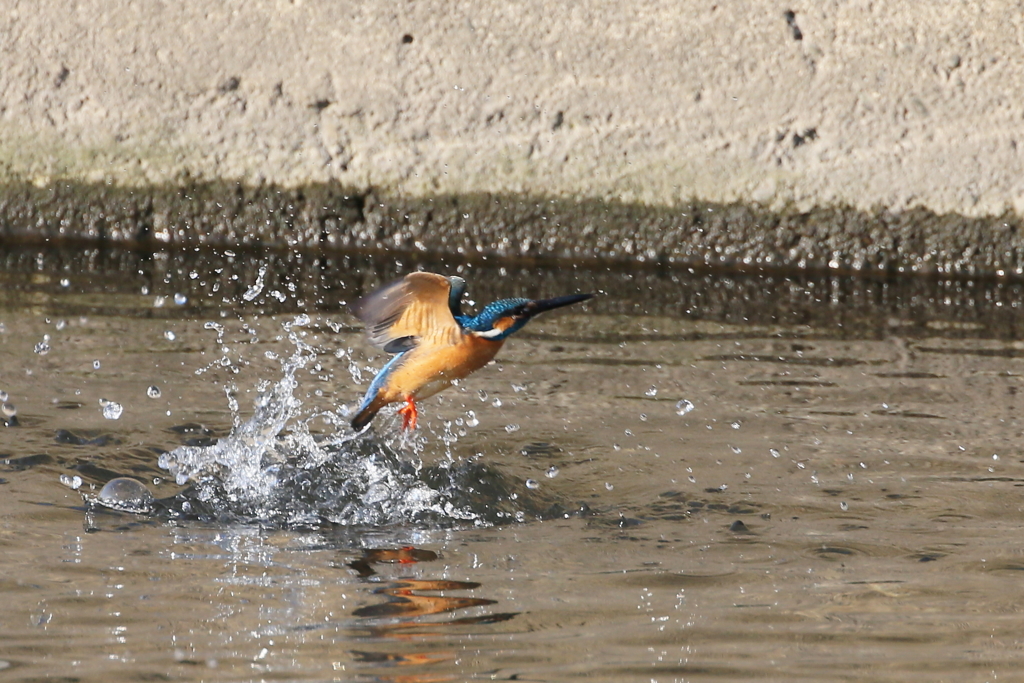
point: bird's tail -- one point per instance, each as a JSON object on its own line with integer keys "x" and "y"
{"x": 366, "y": 413}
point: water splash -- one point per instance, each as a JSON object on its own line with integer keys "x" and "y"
{"x": 293, "y": 465}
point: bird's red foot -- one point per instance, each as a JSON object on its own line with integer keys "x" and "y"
{"x": 408, "y": 413}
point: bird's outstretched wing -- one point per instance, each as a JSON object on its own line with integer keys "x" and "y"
{"x": 409, "y": 312}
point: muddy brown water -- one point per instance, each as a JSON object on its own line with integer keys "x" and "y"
{"x": 698, "y": 476}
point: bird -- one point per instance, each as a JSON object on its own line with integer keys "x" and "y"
{"x": 419, "y": 319}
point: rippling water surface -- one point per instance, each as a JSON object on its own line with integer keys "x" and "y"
{"x": 696, "y": 477}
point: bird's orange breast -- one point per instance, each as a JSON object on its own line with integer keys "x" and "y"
{"x": 428, "y": 369}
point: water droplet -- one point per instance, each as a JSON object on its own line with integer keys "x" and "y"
{"x": 736, "y": 449}
{"x": 849, "y": 476}
{"x": 95, "y": 365}
{"x": 775, "y": 453}
{"x": 8, "y": 409}
{"x": 193, "y": 275}
{"x": 43, "y": 347}
{"x": 844, "y": 506}
{"x": 608, "y": 485}
{"x": 61, "y": 324}
{"x": 629, "y": 432}
{"x": 73, "y": 483}
{"x": 3, "y": 395}
{"x": 153, "y": 391}
{"x": 692, "y": 479}
{"x": 471, "y": 419}
{"x": 652, "y": 392}
{"x": 482, "y": 394}
{"x": 616, "y": 447}
{"x": 552, "y": 472}
{"x": 643, "y": 417}
{"x": 158, "y": 301}
{"x": 496, "y": 403}
{"x": 518, "y": 387}
{"x": 169, "y": 336}
{"x": 126, "y": 494}
{"x": 111, "y": 409}
{"x": 735, "y": 425}
{"x": 180, "y": 299}
{"x": 532, "y": 484}
{"x": 64, "y": 282}
{"x": 995, "y": 457}
{"x": 511, "y": 428}
{"x": 683, "y": 407}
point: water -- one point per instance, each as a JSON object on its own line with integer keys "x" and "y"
{"x": 827, "y": 484}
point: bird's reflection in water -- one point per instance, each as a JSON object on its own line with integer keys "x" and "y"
{"x": 409, "y": 614}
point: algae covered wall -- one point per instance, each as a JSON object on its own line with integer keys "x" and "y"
{"x": 854, "y": 135}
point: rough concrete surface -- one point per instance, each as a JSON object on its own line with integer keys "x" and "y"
{"x": 818, "y": 126}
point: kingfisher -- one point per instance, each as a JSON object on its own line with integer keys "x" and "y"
{"x": 419, "y": 319}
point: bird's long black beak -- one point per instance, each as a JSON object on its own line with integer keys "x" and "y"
{"x": 540, "y": 305}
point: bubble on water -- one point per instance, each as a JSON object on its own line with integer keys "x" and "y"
{"x": 683, "y": 407}
{"x": 43, "y": 347}
{"x": 169, "y": 335}
{"x": 552, "y": 472}
{"x": 180, "y": 299}
{"x": 95, "y": 365}
{"x": 3, "y": 395}
{"x": 844, "y": 506}
{"x": 8, "y": 409}
{"x": 532, "y": 484}
{"x": 482, "y": 394}
{"x": 608, "y": 485}
{"x": 643, "y": 417}
{"x": 652, "y": 392}
{"x": 511, "y": 428}
{"x": 471, "y": 419}
{"x": 72, "y": 482}
{"x": 153, "y": 391}
{"x": 64, "y": 282}
{"x": 127, "y": 494}
{"x": 111, "y": 409}
{"x": 496, "y": 403}
{"x": 775, "y": 453}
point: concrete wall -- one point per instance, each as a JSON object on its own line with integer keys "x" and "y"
{"x": 856, "y": 108}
